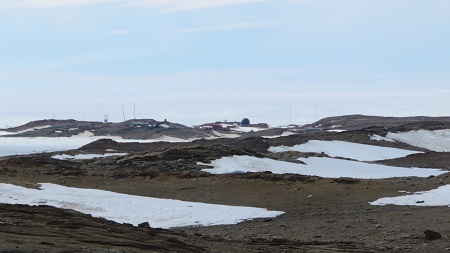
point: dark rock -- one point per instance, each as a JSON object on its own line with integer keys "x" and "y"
{"x": 346, "y": 180}
{"x": 432, "y": 235}
{"x": 144, "y": 225}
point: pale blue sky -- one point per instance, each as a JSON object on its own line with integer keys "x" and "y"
{"x": 205, "y": 60}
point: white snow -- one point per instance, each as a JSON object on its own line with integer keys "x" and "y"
{"x": 32, "y": 129}
{"x": 436, "y": 197}
{"x": 30, "y": 145}
{"x": 336, "y": 130}
{"x": 5, "y": 133}
{"x": 228, "y": 125}
{"x": 123, "y": 208}
{"x": 315, "y": 166}
{"x": 164, "y": 138}
{"x": 85, "y": 156}
{"x": 85, "y": 134}
{"x": 376, "y": 137}
{"x": 218, "y": 135}
{"x": 247, "y": 129}
{"x": 437, "y": 140}
{"x": 287, "y": 133}
{"x": 356, "y": 151}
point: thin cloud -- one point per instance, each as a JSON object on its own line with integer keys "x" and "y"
{"x": 186, "y": 5}
{"x": 32, "y": 4}
{"x": 119, "y": 32}
{"x": 233, "y": 26}
{"x": 160, "y": 5}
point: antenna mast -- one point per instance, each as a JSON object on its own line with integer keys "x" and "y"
{"x": 290, "y": 114}
{"x": 123, "y": 111}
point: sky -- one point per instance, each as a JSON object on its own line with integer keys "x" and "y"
{"x": 197, "y": 61}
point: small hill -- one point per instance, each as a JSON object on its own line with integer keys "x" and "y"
{"x": 355, "y": 122}
{"x": 130, "y": 129}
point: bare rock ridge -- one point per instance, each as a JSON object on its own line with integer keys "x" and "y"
{"x": 130, "y": 129}
{"x": 354, "y": 122}
{"x": 321, "y": 214}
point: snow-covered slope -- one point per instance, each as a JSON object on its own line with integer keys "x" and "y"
{"x": 123, "y": 208}
{"x": 85, "y": 156}
{"x": 437, "y": 140}
{"x": 360, "y": 152}
{"x": 436, "y": 197}
{"x": 30, "y": 145}
{"x": 315, "y": 166}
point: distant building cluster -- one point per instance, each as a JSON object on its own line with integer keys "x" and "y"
{"x": 150, "y": 123}
{"x": 224, "y": 125}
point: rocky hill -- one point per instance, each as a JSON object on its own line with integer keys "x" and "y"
{"x": 353, "y": 122}
{"x": 322, "y": 213}
{"x": 130, "y": 129}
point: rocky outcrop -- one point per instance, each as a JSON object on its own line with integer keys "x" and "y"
{"x": 61, "y": 230}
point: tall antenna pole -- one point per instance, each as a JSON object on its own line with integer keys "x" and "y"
{"x": 134, "y": 108}
{"x": 290, "y": 114}
{"x": 123, "y": 111}
{"x": 315, "y": 112}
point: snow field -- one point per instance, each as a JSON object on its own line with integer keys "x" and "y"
{"x": 247, "y": 129}
{"x": 376, "y": 137}
{"x": 287, "y": 133}
{"x": 316, "y": 166}
{"x": 436, "y": 197}
{"x": 360, "y": 152}
{"x": 123, "y": 208}
{"x": 85, "y": 156}
{"x": 437, "y": 140}
{"x": 30, "y": 145}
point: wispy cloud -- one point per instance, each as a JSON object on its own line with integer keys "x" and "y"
{"x": 233, "y": 26}
{"x": 160, "y": 5}
{"x": 185, "y": 5}
{"x": 30, "y": 4}
{"x": 119, "y": 32}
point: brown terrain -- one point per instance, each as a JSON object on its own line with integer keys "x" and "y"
{"x": 321, "y": 214}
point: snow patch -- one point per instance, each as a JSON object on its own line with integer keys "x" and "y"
{"x": 248, "y": 129}
{"x": 336, "y": 130}
{"x": 288, "y": 133}
{"x": 356, "y": 151}
{"x": 218, "y": 135}
{"x": 436, "y": 197}
{"x": 437, "y": 140}
{"x": 30, "y": 145}
{"x": 84, "y": 134}
{"x": 315, "y": 166}
{"x": 32, "y": 129}
{"x": 123, "y": 208}
{"x": 376, "y": 137}
{"x": 5, "y": 133}
{"x": 85, "y": 156}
